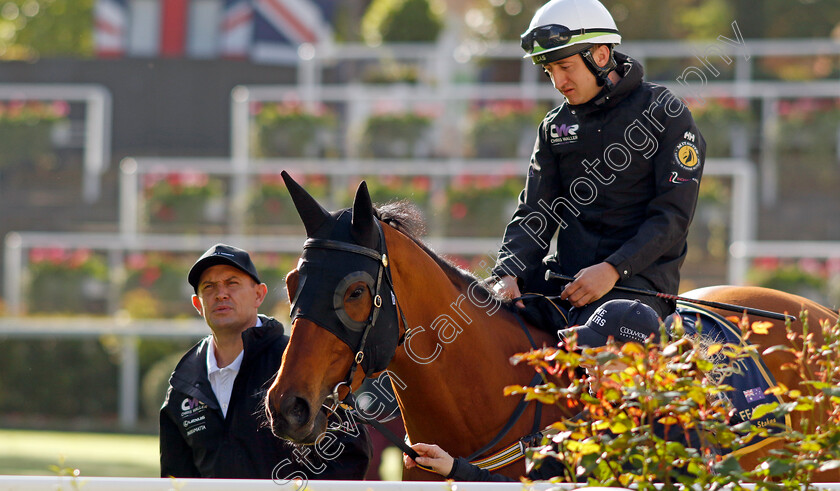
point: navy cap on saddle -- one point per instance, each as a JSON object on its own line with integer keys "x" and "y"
{"x": 222, "y": 254}
{"x": 623, "y": 320}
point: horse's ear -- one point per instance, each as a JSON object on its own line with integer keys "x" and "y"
{"x": 311, "y": 212}
{"x": 363, "y": 226}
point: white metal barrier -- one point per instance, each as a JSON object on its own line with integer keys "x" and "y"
{"x": 26, "y": 483}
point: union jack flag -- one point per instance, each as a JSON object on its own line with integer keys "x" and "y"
{"x": 110, "y": 27}
{"x": 237, "y": 28}
{"x": 281, "y": 26}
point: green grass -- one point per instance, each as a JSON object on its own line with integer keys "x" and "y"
{"x": 94, "y": 454}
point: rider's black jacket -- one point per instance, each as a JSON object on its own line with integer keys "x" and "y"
{"x": 619, "y": 177}
{"x": 196, "y": 440}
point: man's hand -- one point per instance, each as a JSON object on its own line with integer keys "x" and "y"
{"x": 590, "y": 284}
{"x": 507, "y": 287}
{"x": 430, "y": 456}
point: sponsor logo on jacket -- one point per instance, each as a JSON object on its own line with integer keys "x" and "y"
{"x": 191, "y": 406}
{"x": 564, "y": 133}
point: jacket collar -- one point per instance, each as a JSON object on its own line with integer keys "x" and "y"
{"x": 190, "y": 375}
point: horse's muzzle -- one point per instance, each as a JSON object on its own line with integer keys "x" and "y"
{"x": 291, "y": 418}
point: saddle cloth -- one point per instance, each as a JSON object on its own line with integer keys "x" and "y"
{"x": 748, "y": 376}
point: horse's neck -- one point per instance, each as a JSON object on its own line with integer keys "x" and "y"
{"x": 454, "y": 365}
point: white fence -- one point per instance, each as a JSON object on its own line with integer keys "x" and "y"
{"x": 26, "y": 483}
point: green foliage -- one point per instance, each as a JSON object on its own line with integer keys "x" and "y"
{"x": 61, "y": 378}
{"x": 32, "y": 29}
{"x": 480, "y": 206}
{"x": 498, "y": 129}
{"x": 401, "y": 21}
{"x": 66, "y": 281}
{"x": 181, "y": 197}
{"x": 156, "y": 286}
{"x": 25, "y": 128}
{"x": 395, "y": 135}
{"x": 640, "y": 392}
{"x": 290, "y": 130}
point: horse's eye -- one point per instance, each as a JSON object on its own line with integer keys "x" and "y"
{"x": 357, "y": 293}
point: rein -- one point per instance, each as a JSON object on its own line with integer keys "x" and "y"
{"x": 333, "y": 400}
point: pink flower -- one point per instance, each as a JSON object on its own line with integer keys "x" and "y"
{"x": 79, "y": 257}
{"x": 458, "y": 211}
{"x": 60, "y": 108}
{"x": 766, "y": 263}
{"x": 136, "y": 261}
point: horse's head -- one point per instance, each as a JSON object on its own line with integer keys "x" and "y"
{"x": 343, "y": 314}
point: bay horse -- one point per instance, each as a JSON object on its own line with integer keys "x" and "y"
{"x": 367, "y": 292}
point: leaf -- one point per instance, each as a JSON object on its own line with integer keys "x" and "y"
{"x": 829, "y": 465}
{"x": 761, "y": 327}
{"x": 734, "y": 319}
{"x": 514, "y": 389}
{"x": 621, "y": 424}
{"x": 764, "y": 410}
{"x": 777, "y": 467}
{"x": 582, "y": 448}
{"x": 714, "y": 349}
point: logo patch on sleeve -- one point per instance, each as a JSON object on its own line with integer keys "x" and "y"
{"x": 687, "y": 155}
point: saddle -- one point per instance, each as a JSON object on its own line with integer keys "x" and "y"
{"x": 748, "y": 376}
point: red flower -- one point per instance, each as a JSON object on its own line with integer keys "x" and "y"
{"x": 458, "y": 211}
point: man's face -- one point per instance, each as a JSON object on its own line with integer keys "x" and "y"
{"x": 228, "y": 298}
{"x": 572, "y": 77}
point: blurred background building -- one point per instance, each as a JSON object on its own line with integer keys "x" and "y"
{"x": 135, "y": 133}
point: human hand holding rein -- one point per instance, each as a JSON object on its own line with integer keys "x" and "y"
{"x": 432, "y": 457}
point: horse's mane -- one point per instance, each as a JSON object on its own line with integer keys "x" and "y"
{"x": 405, "y": 217}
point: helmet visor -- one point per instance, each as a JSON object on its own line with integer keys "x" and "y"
{"x": 556, "y": 35}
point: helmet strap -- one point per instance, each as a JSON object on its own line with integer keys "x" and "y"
{"x": 601, "y": 72}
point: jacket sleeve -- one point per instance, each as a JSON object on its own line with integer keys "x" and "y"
{"x": 528, "y": 236}
{"x": 677, "y": 168}
{"x": 463, "y": 470}
{"x": 176, "y": 458}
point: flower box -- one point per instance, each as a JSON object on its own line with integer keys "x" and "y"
{"x": 480, "y": 206}
{"x": 26, "y": 131}
{"x": 62, "y": 281}
{"x": 184, "y": 199}
{"x": 290, "y": 130}
{"x": 397, "y": 136}
{"x": 156, "y": 286}
{"x": 505, "y": 129}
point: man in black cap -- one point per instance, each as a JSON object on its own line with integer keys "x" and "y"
{"x": 623, "y": 320}
{"x": 211, "y": 422}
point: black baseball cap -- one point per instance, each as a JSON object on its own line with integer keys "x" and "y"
{"x": 624, "y": 320}
{"x": 222, "y": 254}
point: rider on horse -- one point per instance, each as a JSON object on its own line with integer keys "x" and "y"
{"x": 616, "y": 169}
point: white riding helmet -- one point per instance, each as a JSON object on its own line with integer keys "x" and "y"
{"x": 562, "y": 28}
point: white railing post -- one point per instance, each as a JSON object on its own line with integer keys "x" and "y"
{"x": 13, "y": 273}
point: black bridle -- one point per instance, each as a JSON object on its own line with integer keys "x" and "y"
{"x": 384, "y": 279}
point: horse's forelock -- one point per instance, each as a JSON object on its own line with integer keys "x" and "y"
{"x": 404, "y": 216}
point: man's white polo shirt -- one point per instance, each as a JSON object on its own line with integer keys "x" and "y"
{"x": 221, "y": 379}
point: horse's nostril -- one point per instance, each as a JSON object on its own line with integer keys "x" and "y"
{"x": 296, "y": 410}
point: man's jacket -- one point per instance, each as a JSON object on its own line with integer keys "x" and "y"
{"x": 196, "y": 440}
{"x": 617, "y": 178}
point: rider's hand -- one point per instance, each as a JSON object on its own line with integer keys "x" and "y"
{"x": 590, "y": 284}
{"x": 506, "y": 287}
{"x": 430, "y": 456}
